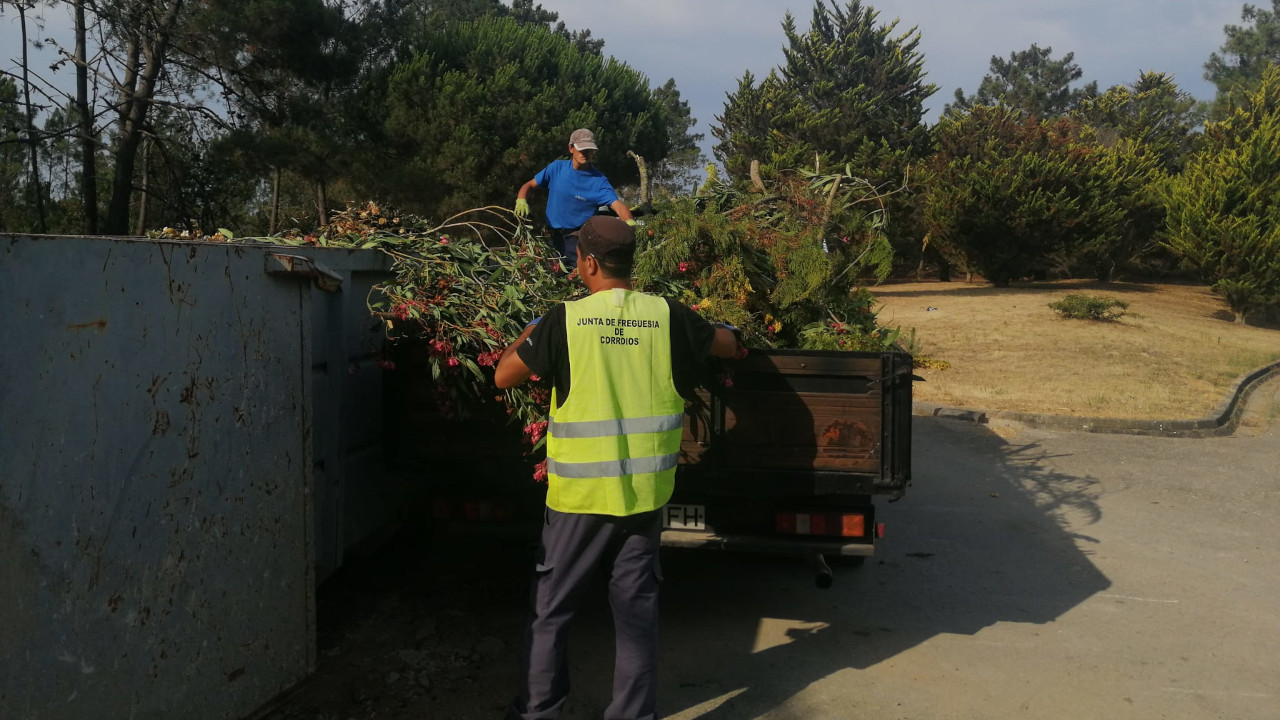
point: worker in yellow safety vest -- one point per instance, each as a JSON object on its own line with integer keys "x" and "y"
{"x": 618, "y": 361}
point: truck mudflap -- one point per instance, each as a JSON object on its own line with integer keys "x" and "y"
{"x": 710, "y": 540}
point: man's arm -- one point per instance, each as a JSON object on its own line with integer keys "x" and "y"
{"x": 691, "y": 330}
{"x": 511, "y": 370}
{"x": 522, "y": 205}
{"x": 624, "y": 212}
{"x": 726, "y": 343}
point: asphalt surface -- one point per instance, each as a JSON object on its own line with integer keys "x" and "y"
{"x": 1026, "y": 574}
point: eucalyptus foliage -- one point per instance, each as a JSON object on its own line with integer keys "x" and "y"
{"x": 781, "y": 265}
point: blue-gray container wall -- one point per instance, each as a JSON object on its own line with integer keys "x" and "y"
{"x": 185, "y": 441}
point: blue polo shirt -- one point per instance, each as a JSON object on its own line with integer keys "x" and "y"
{"x": 573, "y": 195}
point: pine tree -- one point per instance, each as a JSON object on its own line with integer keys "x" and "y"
{"x": 1030, "y": 81}
{"x": 1248, "y": 50}
{"x": 485, "y": 105}
{"x": 678, "y": 172}
{"x": 13, "y": 209}
{"x": 849, "y": 88}
{"x": 1152, "y": 112}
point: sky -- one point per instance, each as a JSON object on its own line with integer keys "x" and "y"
{"x": 706, "y": 45}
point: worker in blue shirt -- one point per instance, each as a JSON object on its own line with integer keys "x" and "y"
{"x": 575, "y": 188}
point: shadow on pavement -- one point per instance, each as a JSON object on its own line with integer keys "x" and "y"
{"x": 429, "y": 626}
{"x": 984, "y": 536}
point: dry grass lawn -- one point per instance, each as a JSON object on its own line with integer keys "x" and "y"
{"x": 1175, "y": 356}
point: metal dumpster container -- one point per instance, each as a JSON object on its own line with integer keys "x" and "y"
{"x": 184, "y": 433}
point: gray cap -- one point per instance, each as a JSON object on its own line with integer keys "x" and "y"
{"x": 583, "y": 139}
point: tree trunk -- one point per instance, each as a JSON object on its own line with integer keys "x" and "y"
{"x": 275, "y": 200}
{"x": 88, "y": 153}
{"x": 321, "y": 203}
{"x": 646, "y": 186}
{"x": 756, "y": 183}
{"x": 1104, "y": 273}
{"x": 142, "y": 201}
{"x": 31, "y": 126}
{"x": 136, "y": 100}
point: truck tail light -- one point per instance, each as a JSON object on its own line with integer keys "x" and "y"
{"x": 826, "y": 524}
{"x": 853, "y": 525}
{"x": 785, "y": 523}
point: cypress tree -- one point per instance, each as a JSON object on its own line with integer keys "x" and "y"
{"x": 1223, "y": 214}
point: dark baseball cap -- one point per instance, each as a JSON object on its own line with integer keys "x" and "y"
{"x": 607, "y": 238}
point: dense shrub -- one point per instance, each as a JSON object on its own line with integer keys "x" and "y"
{"x": 1090, "y": 307}
{"x": 1014, "y": 195}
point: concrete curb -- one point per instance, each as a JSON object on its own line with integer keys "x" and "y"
{"x": 1223, "y": 421}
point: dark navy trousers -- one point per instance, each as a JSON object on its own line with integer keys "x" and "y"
{"x": 565, "y": 243}
{"x": 574, "y": 547}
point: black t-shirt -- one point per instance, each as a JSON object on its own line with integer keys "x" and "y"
{"x": 546, "y": 351}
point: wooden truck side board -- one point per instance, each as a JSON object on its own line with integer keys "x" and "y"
{"x": 824, "y": 413}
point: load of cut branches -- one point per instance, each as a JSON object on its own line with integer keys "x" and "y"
{"x": 789, "y": 265}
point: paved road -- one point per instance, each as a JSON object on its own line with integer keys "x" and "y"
{"x": 1039, "y": 576}
{"x": 1026, "y": 574}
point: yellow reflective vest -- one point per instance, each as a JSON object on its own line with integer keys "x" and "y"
{"x": 612, "y": 446}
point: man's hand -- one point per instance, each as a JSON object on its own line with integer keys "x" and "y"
{"x": 522, "y": 208}
{"x": 511, "y": 370}
{"x": 727, "y": 342}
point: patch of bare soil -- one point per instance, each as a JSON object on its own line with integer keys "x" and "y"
{"x": 1176, "y": 355}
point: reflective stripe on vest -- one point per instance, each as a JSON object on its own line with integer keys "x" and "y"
{"x": 613, "y": 468}
{"x": 613, "y": 446}
{"x": 618, "y": 426}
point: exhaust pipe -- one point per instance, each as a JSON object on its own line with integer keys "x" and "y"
{"x": 822, "y": 572}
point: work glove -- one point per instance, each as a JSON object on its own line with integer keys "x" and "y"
{"x": 522, "y": 208}
{"x": 534, "y": 321}
{"x": 631, "y": 222}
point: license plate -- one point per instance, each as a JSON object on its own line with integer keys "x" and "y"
{"x": 684, "y": 517}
